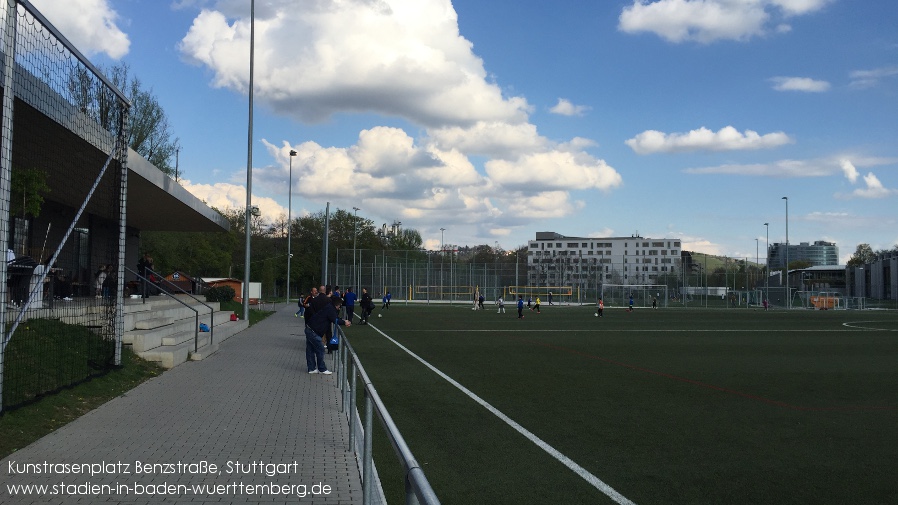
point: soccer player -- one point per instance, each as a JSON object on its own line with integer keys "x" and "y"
{"x": 520, "y": 307}
{"x": 600, "y": 308}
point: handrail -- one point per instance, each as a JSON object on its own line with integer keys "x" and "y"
{"x": 417, "y": 488}
{"x": 211, "y": 310}
{"x": 196, "y": 323}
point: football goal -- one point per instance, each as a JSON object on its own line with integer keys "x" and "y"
{"x": 618, "y": 295}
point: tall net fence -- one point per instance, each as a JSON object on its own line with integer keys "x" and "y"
{"x": 448, "y": 277}
{"x": 438, "y": 277}
{"x": 63, "y": 187}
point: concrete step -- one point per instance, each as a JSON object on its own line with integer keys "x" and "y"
{"x": 222, "y": 332}
{"x": 168, "y": 356}
{"x": 153, "y": 322}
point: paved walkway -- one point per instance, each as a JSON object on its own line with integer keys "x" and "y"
{"x": 252, "y": 402}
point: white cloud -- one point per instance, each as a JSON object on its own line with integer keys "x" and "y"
{"x": 799, "y": 7}
{"x": 419, "y": 181}
{"x": 869, "y": 78}
{"x": 850, "y": 171}
{"x": 873, "y": 189}
{"x": 564, "y": 107}
{"x": 703, "y": 139}
{"x": 397, "y": 58}
{"x": 490, "y": 138}
{"x": 707, "y": 21}
{"x": 799, "y": 84}
{"x": 223, "y": 195}
{"x": 826, "y": 167}
{"x": 89, "y": 24}
{"x": 554, "y": 170}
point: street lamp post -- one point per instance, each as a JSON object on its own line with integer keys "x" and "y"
{"x": 788, "y": 291}
{"x": 289, "y": 220}
{"x": 355, "y": 222}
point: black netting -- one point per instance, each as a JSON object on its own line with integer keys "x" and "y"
{"x": 62, "y": 201}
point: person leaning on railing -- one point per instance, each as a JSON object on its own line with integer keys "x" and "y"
{"x": 315, "y": 329}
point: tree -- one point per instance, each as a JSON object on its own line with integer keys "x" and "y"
{"x": 150, "y": 133}
{"x": 406, "y": 240}
{"x": 28, "y": 187}
{"x": 862, "y": 255}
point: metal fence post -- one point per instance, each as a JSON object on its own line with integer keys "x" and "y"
{"x": 352, "y": 409}
{"x": 367, "y": 457}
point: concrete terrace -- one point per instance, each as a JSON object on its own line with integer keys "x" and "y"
{"x": 251, "y": 403}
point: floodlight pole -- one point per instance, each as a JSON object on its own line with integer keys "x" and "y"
{"x": 767, "y": 265}
{"x": 788, "y": 291}
{"x": 249, "y": 162}
{"x": 442, "y": 260}
{"x": 355, "y": 223}
{"x": 289, "y": 220}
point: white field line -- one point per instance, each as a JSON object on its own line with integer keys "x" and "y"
{"x": 566, "y": 461}
{"x": 515, "y": 330}
{"x": 856, "y": 324}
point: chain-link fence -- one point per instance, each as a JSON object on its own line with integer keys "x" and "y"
{"x": 450, "y": 277}
{"x": 63, "y": 183}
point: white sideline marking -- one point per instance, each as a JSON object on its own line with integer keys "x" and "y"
{"x": 495, "y": 330}
{"x": 566, "y": 461}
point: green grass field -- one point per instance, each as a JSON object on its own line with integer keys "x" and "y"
{"x": 669, "y": 406}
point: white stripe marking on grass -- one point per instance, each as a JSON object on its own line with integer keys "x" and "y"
{"x": 564, "y": 460}
{"x": 654, "y": 330}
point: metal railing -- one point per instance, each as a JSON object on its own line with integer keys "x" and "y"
{"x": 349, "y": 369}
{"x": 179, "y": 288}
{"x": 196, "y": 321}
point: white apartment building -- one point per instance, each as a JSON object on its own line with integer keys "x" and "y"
{"x": 556, "y": 260}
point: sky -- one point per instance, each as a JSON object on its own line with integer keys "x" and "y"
{"x": 484, "y": 122}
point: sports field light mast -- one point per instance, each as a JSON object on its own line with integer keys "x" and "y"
{"x": 355, "y": 223}
{"x": 289, "y": 220}
{"x": 442, "y": 260}
{"x": 249, "y": 160}
{"x": 788, "y": 291}
{"x": 767, "y": 263}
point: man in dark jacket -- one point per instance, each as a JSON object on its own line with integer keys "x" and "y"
{"x": 317, "y": 327}
{"x": 367, "y": 305}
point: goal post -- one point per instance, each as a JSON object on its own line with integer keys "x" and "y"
{"x": 618, "y": 295}
{"x": 559, "y": 294}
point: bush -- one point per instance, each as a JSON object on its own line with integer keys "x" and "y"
{"x": 220, "y": 294}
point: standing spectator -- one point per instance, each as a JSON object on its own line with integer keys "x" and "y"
{"x": 520, "y": 307}
{"x": 307, "y": 305}
{"x": 367, "y": 306}
{"x": 337, "y": 294}
{"x": 350, "y": 298}
{"x": 301, "y": 304}
{"x": 100, "y": 279}
{"x": 316, "y": 330}
{"x": 144, "y": 267}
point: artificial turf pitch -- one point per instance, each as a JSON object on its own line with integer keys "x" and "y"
{"x": 668, "y": 406}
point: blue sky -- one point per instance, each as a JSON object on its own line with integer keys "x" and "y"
{"x": 494, "y": 120}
